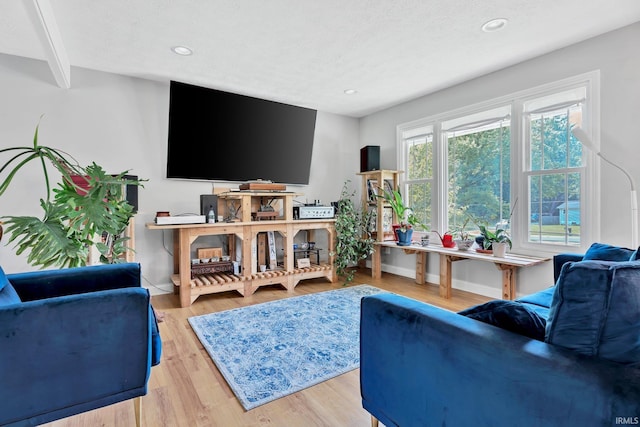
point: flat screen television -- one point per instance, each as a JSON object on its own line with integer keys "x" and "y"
{"x": 222, "y": 136}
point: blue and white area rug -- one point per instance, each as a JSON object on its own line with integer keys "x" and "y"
{"x": 270, "y": 350}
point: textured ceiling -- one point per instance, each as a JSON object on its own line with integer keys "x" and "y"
{"x": 307, "y": 52}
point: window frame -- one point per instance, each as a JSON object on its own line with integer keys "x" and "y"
{"x": 590, "y": 169}
{"x": 404, "y": 182}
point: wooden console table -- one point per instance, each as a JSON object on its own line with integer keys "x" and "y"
{"x": 508, "y": 265}
{"x": 189, "y": 288}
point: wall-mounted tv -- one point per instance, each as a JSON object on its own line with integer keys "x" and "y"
{"x": 222, "y": 136}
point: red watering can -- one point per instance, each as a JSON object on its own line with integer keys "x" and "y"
{"x": 446, "y": 239}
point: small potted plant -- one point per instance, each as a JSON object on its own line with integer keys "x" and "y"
{"x": 461, "y": 237}
{"x": 408, "y": 220}
{"x": 497, "y": 240}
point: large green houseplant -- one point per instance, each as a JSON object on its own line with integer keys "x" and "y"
{"x": 353, "y": 238}
{"x": 77, "y": 215}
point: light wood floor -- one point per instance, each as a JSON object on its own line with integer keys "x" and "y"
{"x": 186, "y": 389}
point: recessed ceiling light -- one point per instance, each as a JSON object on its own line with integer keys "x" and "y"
{"x": 182, "y": 50}
{"x": 494, "y": 25}
{"x": 350, "y": 91}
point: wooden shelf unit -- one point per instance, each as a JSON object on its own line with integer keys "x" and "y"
{"x": 372, "y": 183}
{"x": 249, "y": 203}
{"x": 249, "y": 278}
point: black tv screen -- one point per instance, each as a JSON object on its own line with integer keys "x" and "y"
{"x": 222, "y": 136}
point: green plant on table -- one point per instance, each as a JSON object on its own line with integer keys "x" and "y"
{"x": 405, "y": 215}
{"x": 461, "y": 232}
{"x": 76, "y": 216}
{"x": 491, "y": 237}
{"x": 353, "y": 238}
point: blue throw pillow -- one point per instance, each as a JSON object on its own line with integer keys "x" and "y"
{"x": 513, "y": 316}
{"x": 596, "y": 310}
{"x": 604, "y": 252}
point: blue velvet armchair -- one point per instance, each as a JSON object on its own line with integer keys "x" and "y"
{"x": 424, "y": 366}
{"x": 73, "y": 340}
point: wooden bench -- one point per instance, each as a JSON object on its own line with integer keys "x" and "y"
{"x": 508, "y": 264}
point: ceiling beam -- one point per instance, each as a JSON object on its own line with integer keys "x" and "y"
{"x": 44, "y": 23}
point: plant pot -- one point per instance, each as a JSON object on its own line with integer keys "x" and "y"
{"x": 499, "y": 249}
{"x": 81, "y": 183}
{"x": 404, "y": 237}
{"x": 463, "y": 245}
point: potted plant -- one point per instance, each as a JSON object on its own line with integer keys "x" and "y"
{"x": 353, "y": 238}
{"x": 407, "y": 219}
{"x": 462, "y": 237}
{"x": 497, "y": 240}
{"x": 90, "y": 212}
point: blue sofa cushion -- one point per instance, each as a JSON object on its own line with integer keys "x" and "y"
{"x": 542, "y": 298}
{"x": 596, "y": 310}
{"x": 604, "y": 252}
{"x": 513, "y": 316}
{"x": 8, "y": 294}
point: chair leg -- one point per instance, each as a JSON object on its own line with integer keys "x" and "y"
{"x": 374, "y": 421}
{"x": 137, "y": 408}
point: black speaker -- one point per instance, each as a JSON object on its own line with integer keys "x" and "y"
{"x": 131, "y": 192}
{"x": 370, "y": 158}
{"x": 207, "y": 200}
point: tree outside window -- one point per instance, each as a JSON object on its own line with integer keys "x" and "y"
{"x": 479, "y": 170}
{"x": 555, "y": 176}
{"x": 419, "y": 174}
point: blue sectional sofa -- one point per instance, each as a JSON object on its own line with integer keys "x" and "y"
{"x": 424, "y": 366}
{"x": 73, "y": 340}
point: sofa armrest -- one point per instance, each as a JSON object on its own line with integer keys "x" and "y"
{"x": 43, "y": 284}
{"x": 422, "y": 365}
{"x": 70, "y": 351}
{"x": 561, "y": 259}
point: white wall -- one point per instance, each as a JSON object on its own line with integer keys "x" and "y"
{"x": 121, "y": 123}
{"x": 617, "y": 56}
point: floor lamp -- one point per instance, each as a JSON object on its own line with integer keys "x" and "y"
{"x": 582, "y": 136}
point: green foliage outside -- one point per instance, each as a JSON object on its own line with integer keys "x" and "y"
{"x": 420, "y": 161}
{"x": 479, "y": 180}
{"x": 479, "y": 176}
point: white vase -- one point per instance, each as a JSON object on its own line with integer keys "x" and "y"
{"x": 499, "y": 249}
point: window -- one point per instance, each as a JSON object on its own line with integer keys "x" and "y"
{"x": 554, "y": 168}
{"x": 478, "y": 170}
{"x": 509, "y": 163}
{"x": 418, "y": 183}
